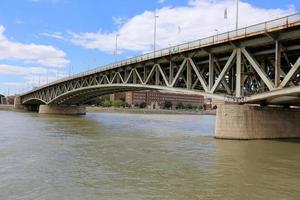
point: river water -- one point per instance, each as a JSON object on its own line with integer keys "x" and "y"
{"x": 135, "y": 156}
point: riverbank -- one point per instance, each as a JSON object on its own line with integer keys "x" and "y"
{"x": 6, "y": 107}
{"x": 148, "y": 111}
{"x": 132, "y": 110}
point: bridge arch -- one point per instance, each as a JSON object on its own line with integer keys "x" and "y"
{"x": 34, "y": 101}
{"x": 86, "y": 94}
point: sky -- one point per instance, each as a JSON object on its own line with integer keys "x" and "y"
{"x": 44, "y": 40}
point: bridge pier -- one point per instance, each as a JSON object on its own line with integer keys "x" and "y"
{"x": 253, "y": 122}
{"x": 18, "y": 103}
{"x": 62, "y": 110}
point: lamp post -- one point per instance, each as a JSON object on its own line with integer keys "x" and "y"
{"x": 237, "y": 15}
{"x": 217, "y": 34}
{"x": 154, "y": 43}
{"x": 116, "y": 50}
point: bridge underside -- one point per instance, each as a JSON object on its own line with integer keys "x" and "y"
{"x": 82, "y": 96}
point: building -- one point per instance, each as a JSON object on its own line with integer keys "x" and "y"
{"x": 215, "y": 103}
{"x": 155, "y": 99}
{"x": 117, "y": 96}
{"x": 10, "y": 99}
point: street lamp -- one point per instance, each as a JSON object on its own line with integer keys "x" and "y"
{"x": 217, "y": 34}
{"x": 116, "y": 50}
{"x": 154, "y": 43}
{"x": 237, "y": 15}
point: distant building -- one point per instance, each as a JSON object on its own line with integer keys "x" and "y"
{"x": 215, "y": 103}
{"x": 155, "y": 99}
{"x": 117, "y": 96}
{"x": 10, "y": 99}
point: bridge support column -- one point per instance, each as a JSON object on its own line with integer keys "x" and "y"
{"x": 18, "y": 103}
{"x": 252, "y": 122}
{"x": 62, "y": 110}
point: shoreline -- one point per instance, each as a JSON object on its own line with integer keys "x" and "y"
{"x": 90, "y": 109}
{"x": 6, "y": 107}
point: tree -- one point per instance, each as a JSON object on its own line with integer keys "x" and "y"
{"x": 201, "y": 107}
{"x": 142, "y": 105}
{"x": 167, "y": 105}
{"x": 106, "y": 103}
{"x": 118, "y": 103}
{"x": 179, "y": 106}
{"x": 189, "y": 106}
{"x": 194, "y": 107}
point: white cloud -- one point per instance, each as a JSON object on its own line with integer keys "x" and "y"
{"x": 20, "y": 70}
{"x": 200, "y": 18}
{"x": 161, "y": 1}
{"x": 31, "y": 53}
{"x": 56, "y": 35}
{"x": 33, "y": 76}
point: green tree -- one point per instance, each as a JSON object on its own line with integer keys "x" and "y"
{"x": 118, "y": 103}
{"x": 189, "y": 106}
{"x": 106, "y": 103}
{"x": 179, "y": 106}
{"x": 142, "y": 105}
{"x": 194, "y": 107}
{"x": 167, "y": 105}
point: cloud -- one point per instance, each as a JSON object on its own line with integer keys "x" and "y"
{"x": 20, "y": 70}
{"x": 56, "y": 35}
{"x": 200, "y": 18}
{"x": 33, "y": 76}
{"x": 31, "y": 53}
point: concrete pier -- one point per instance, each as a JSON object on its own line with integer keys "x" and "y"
{"x": 18, "y": 103}
{"x": 253, "y": 122}
{"x": 62, "y": 110}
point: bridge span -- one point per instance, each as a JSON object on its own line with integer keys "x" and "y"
{"x": 258, "y": 64}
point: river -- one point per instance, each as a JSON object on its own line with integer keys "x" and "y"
{"x": 136, "y": 156}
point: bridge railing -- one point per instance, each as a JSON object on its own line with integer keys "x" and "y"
{"x": 268, "y": 26}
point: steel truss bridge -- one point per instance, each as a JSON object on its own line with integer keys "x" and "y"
{"x": 255, "y": 64}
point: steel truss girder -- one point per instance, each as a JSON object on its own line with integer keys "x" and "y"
{"x": 210, "y": 77}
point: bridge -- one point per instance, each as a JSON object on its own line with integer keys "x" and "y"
{"x": 258, "y": 64}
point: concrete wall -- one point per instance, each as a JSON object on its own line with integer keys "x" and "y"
{"x": 249, "y": 122}
{"x": 62, "y": 110}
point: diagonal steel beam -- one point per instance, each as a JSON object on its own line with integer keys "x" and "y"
{"x": 258, "y": 69}
{"x": 138, "y": 75}
{"x": 224, "y": 71}
{"x": 223, "y": 82}
{"x": 121, "y": 78}
{"x": 128, "y": 77}
{"x": 150, "y": 74}
{"x": 163, "y": 75}
{"x": 115, "y": 75}
{"x": 195, "y": 84}
{"x": 179, "y": 72}
{"x": 290, "y": 74}
{"x": 200, "y": 77}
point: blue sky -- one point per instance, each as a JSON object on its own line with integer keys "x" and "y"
{"x": 41, "y": 40}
